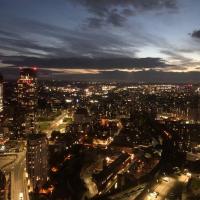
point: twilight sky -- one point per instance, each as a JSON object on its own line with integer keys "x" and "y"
{"x": 126, "y": 40}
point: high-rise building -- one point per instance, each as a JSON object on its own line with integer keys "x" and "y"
{"x": 1, "y": 105}
{"x": 27, "y": 98}
{"x": 37, "y": 159}
{"x": 1, "y": 93}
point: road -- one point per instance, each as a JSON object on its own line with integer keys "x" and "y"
{"x": 163, "y": 188}
{"x": 192, "y": 156}
{"x": 18, "y": 184}
{"x": 6, "y": 160}
{"x": 16, "y": 169}
{"x": 128, "y": 194}
{"x": 55, "y": 123}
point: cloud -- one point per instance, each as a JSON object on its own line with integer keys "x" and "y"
{"x": 176, "y": 56}
{"x": 116, "y": 12}
{"x": 108, "y": 74}
{"x": 115, "y": 18}
{"x": 85, "y": 62}
{"x": 196, "y": 34}
{"x": 33, "y": 38}
{"x": 37, "y": 39}
{"x": 94, "y": 22}
{"x": 150, "y": 76}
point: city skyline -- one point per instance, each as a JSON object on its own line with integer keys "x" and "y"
{"x": 151, "y": 41}
{"x": 61, "y": 140}
{"x": 99, "y": 100}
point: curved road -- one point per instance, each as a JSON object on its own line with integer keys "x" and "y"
{"x": 18, "y": 179}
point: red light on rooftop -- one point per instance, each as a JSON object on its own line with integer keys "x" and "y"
{"x": 34, "y": 68}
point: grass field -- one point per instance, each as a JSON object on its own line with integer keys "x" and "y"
{"x": 43, "y": 125}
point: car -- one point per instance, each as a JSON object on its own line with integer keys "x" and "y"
{"x": 176, "y": 169}
{"x": 156, "y": 194}
{"x": 164, "y": 174}
{"x": 188, "y": 174}
{"x": 166, "y": 179}
{"x": 21, "y": 196}
{"x": 140, "y": 188}
{"x": 153, "y": 194}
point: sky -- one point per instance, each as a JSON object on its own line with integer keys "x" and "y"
{"x": 123, "y": 40}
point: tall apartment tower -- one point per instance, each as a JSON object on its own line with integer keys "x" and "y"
{"x": 37, "y": 159}
{"x": 27, "y": 98}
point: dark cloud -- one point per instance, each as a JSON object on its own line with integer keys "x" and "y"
{"x": 9, "y": 72}
{"x": 196, "y": 34}
{"x": 85, "y": 63}
{"x": 115, "y": 18}
{"x": 128, "y": 12}
{"x": 53, "y": 41}
{"x": 103, "y": 9}
{"x": 150, "y": 76}
{"x": 37, "y": 39}
{"x": 15, "y": 42}
{"x": 94, "y": 22}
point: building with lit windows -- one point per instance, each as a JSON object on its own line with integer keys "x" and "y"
{"x": 37, "y": 159}
{"x": 1, "y": 106}
{"x": 27, "y": 99}
{"x": 81, "y": 116}
{"x": 1, "y": 94}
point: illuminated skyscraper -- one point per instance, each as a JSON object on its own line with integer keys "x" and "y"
{"x": 27, "y": 98}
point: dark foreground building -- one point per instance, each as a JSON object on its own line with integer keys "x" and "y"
{"x": 37, "y": 159}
